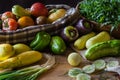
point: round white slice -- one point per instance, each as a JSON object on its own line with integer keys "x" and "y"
{"x": 112, "y": 64}
{"x": 89, "y": 69}
{"x": 83, "y": 76}
{"x": 99, "y": 64}
{"x": 74, "y": 72}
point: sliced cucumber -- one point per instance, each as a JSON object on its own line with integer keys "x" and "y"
{"x": 74, "y": 72}
{"x": 89, "y": 69}
{"x": 83, "y": 76}
{"x": 99, "y": 64}
{"x": 112, "y": 64}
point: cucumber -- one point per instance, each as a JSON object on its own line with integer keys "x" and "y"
{"x": 103, "y": 49}
{"x": 74, "y": 72}
{"x": 89, "y": 69}
{"x": 57, "y": 45}
{"x": 112, "y": 64}
{"x": 99, "y": 64}
{"x": 83, "y": 76}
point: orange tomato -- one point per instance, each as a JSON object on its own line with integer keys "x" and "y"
{"x": 25, "y": 21}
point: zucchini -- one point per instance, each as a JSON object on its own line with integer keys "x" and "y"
{"x": 103, "y": 49}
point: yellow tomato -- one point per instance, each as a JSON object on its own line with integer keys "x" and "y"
{"x": 56, "y": 15}
{"x": 25, "y": 21}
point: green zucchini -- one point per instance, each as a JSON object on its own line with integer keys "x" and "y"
{"x": 103, "y": 49}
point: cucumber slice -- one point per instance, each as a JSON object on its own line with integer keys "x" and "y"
{"x": 112, "y": 64}
{"x": 83, "y": 76}
{"x": 89, "y": 69}
{"x": 99, "y": 64}
{"x": 74, "y": 72}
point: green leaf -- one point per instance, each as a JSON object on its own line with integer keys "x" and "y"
{"x": 101, "y": 11}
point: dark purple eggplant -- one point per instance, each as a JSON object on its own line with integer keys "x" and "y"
{"x": 84, "y": 26}
{"x": 69, "y": 33}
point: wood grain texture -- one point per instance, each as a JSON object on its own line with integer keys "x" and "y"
{"x": 59, "y": 71}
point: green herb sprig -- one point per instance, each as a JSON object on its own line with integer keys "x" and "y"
{"x": 105, "y": 12}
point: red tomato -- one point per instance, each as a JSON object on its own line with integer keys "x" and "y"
{"x": 9, "y": 24}
{"x": 7, "y": 14}
{"x": 38, "y": 9}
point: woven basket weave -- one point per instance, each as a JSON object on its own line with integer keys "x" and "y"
{"x": 27, "y": 34}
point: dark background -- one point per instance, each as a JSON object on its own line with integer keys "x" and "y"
{"x": 6, "y": 5}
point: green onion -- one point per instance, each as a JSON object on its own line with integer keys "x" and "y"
{"x": 29, "y": 73}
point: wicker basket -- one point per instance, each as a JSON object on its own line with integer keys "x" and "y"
{"x": 99, "y": 27}
{"x": 27, "y": 34}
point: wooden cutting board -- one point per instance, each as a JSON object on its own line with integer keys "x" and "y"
{"x": 59, "y": 71}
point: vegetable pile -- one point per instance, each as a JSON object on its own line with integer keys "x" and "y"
{"x": 37, "y": 14}
{"x": 28, "y": 73}
{"x": 77, "y": 32}
{"x": 101, "y": 11}
{"x": 14, "y": 64}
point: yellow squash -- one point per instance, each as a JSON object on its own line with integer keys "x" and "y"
{"x": 23, "y": 59}
{"x": 6, "y": 51}
{"x": 100, "y": 37}
{"x": 81, "y": 42}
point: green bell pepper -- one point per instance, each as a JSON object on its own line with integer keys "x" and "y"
{"x": 41, "y": 41}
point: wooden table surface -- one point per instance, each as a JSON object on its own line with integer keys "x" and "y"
{"x": 60, "y": 69}
{"x": 58, "y": 72}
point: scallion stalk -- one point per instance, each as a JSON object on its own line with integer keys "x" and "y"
{"x": 29, "y": 73}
